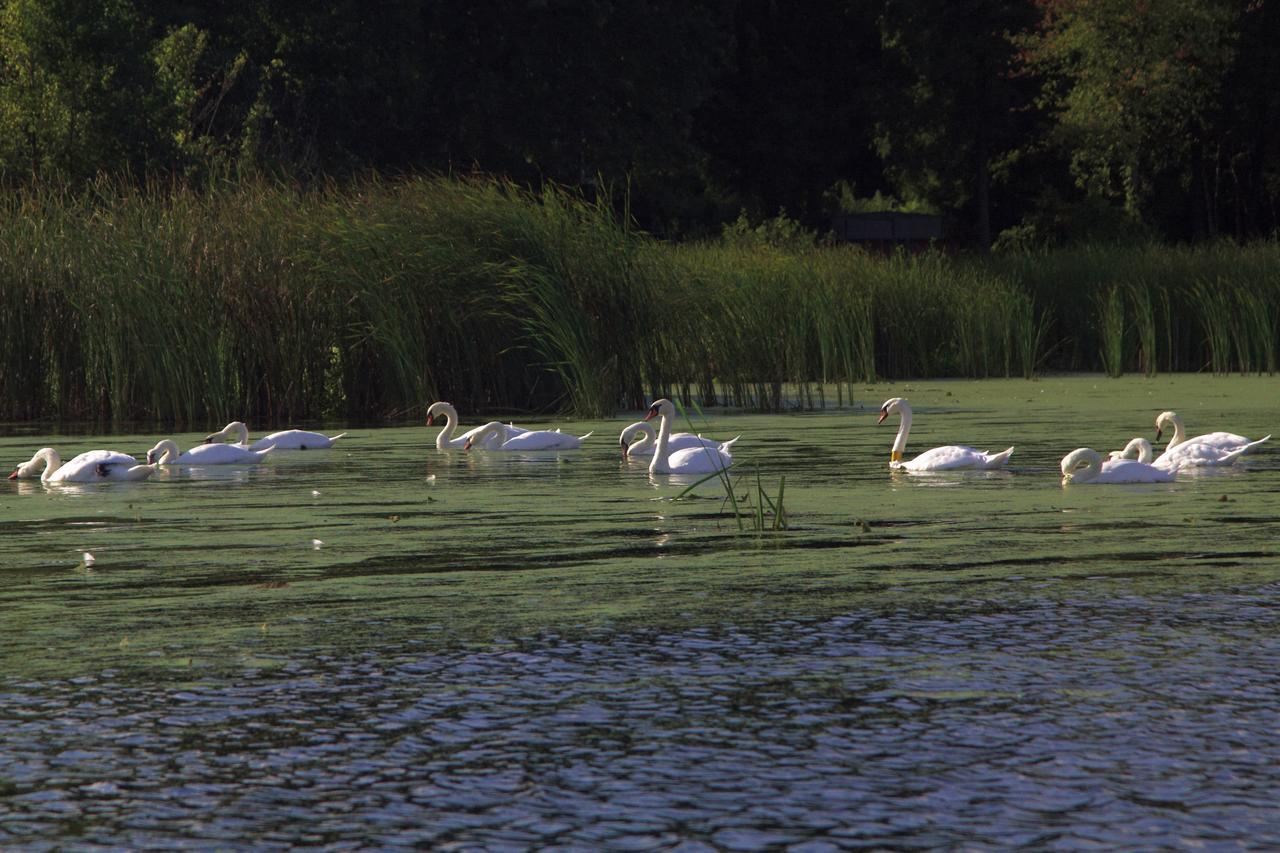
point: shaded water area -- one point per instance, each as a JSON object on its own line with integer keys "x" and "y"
{"x": 384, "y": 644}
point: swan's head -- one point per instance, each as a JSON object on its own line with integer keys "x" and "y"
{"x": 235, "y": 428}
{"x": 892, "y": 406}
{"x": 659, "y": 408}
{"x": 32, "y": 469}
{"x": 1169, "y": 420}
{"x": 489, "y": 437}
{"x": 443, "y": 410}
{"x": 164, "y": 449}
{"x": 1082, "y": 457}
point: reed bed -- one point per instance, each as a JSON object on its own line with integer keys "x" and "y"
{"x": 276, "y": 303}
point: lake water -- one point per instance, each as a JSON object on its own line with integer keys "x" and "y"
{"x": 382, "y": 644}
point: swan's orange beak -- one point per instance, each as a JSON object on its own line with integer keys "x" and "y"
{"x": 624, "y": 447}
{"x": 653, "y": 413}
{"x": 431, "y": 420}
{"x": 1157, "y": 433}
{"x": 466, "y": 445}
{"x": 14, "y": 475}
{"x": 884, "y": 413}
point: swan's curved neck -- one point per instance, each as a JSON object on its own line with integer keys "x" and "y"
{"x": 659, "y": 461}
{"x": 1071, "y": 470}
{"x": 1141, "y": 449}
{"x": 450, "y": 424}
{"x": 164, "y": 452}
{"x": 52, "y": 461}
{"x": 491, "y": 435}
{"x": 241, "y": 432}
{"x": 904, "y": 429}
{"x": 647, "y": 437}
{"x": 1179, "y": 433}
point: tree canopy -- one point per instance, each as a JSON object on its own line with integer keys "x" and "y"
{"x": 1022, "y": 121}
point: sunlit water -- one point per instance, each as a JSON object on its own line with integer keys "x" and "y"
{"x": 382, "y": 644}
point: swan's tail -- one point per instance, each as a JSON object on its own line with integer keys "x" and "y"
{"x": 335, "y": 438}
{"x": 995, "y": 460}
{"x": 1253, "y": 444}
{"x": 584, "y": 437}
{"x": 1240, "y": 451}
{"x": 726, "y": 445}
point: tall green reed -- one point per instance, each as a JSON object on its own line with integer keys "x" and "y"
{"x": 268, "y": 301}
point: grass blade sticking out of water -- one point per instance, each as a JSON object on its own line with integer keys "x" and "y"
{"x": 759, "y": 501}
{"x": 731, "y": 495}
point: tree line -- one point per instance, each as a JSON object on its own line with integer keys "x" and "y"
{"x": 1023, "y": 122}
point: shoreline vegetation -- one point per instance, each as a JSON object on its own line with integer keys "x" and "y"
{"x": 266, "y": 301}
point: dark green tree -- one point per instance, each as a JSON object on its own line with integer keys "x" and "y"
{"x": 795, "y": 110}
{"x": 961, "y": 116}
{"x": 1134, "y": 89}
{"x": 78, "y": 90}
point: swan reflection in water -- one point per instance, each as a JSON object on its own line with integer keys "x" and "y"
{"x": 947, "y": 479}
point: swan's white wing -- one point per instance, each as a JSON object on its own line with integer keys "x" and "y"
{"x": 1131, "y": 471}
{"x": 542, "y": 439}
{"x": 295, "y": 439}
{"x": 953, "y": 457}
{"x": 84, "y": 468}
{"x": 1226, "y": 440}
{"x": 1200, "y": 453}
{"x": 697, "y": 460}
{"x": 221, "y": 454}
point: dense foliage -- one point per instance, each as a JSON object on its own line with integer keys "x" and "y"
{"x": 374, "y": 298}
{"x": 1025, "y": 121}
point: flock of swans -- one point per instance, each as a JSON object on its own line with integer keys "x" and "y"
{"x": 99, "y": 466}
{"x": 1136, "y": 463}
{"x": 669, "y": 453}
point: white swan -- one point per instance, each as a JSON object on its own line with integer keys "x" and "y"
{"x": 289, "y": 439}
{"x": 1222, "y": 440}
{"x": 445, "y": 439}
{"x": 1094, "y": 470}
{"x": 95, "y": 466}
{"x": 166, "y": 452}
{"x": 691, "y": 460}
{"x": 946, "y": 458}
{"x": 1198, "y": 454}
{"x": 1189, "y": 454}
{"x": 645, "y": 445}
{"x": 493, "y": 436}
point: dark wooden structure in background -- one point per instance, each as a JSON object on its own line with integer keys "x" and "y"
{"x": 888, "y": 229}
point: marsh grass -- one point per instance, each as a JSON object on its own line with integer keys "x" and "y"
{"x": 755, "y": 510}
{"x": 271, "y": 302}
{"x": 1111, "y": 331}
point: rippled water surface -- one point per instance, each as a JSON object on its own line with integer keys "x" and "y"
{"x": 384, "y": 644}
